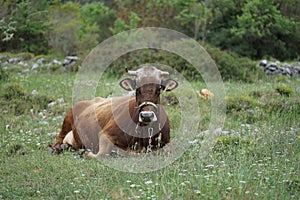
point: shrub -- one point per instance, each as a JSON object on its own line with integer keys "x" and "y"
{"x": 282, "y": 106}
{"x": 24, "y": 26}
{"x": 39, "y": 101}
{"x": 97, "y": 18}
{"x": 170, "y": 98}
{"x": 284, "y": 90}
{"x": 13, "y": 91}
{"x": 139, "y": 57}
{"x": 15, "y": 100}
{"x": 240, "y": 102}
{"x": 3, "y": 75}
{"x": 230, "y": 142}
{"x": 66, "y": 24}
{"x": 232, "y": 66}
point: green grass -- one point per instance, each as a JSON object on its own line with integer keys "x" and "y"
{"x": 261, "y": 161}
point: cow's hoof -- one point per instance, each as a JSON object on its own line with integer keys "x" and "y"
{"x": 83, "y": 152}
{"x": 54, "y": 150}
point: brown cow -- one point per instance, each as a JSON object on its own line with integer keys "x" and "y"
{"x": 132, "y": 123}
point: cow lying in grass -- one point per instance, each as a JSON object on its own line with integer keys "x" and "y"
{"x": 135, "y": 123}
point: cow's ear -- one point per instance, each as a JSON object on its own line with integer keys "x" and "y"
{"x": 127, "y": 84}
{"x": 169, "y": 85}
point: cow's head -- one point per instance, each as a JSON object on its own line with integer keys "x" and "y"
{"x": 148, "y": 84}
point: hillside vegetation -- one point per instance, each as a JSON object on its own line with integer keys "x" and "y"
{"x": 251, "y": 28}
{"x": 44, "y": 43}
{"x": 256, "y": 156}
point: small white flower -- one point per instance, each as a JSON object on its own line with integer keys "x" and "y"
{"x": 148, "y": 182}
{"x": 76, "y": 191}
{"x": 193, "y": 141}
{"x": 197, "y": 191}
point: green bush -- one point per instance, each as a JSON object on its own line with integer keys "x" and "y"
{"x": 240, "y": 102}
{"x": 3, "y": 75}
{"x": 282, "y": 106}
{"x": 230, "y": 142}
{"x": 170, "y": 98}
{"x": 15, "y": 100}
{"x": 232, "y": 66}
{"x": 65, "y": 23}
{"x": 13, "y": 91}
{"x": 140, "y": 57}
{"x": 284, "y": 90}
{"x": 25, "y": 21}
{"x": 97, "y": 18}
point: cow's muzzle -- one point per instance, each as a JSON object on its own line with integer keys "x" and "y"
{"x": 147, "y": 117}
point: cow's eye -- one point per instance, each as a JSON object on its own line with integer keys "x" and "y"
{"x": 138, "y": 91}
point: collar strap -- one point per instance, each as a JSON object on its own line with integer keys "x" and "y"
{"x": 146, "y": 103}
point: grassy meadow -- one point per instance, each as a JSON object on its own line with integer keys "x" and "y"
{"x": 257, "y": 157}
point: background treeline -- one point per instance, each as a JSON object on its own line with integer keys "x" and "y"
{"x": 252, "y": 29}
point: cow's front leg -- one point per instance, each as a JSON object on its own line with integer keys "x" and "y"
{"x": 105, "y": 147}
{"x": 65, "y": 129}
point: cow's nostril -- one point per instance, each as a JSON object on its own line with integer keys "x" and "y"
{"x": 147, "y": 116}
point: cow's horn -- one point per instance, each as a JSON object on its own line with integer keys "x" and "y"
{"x": 129, "y": 72}
{"x": 164, "y": 73}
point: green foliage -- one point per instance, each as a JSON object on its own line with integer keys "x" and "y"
{"x": 231, "y": 141}
{"x": 251, "y": 28}
{"x": 284, "y": 90}
{"x": 261, "y": 28}
{"x": 7, "y": 30}
{"x": 139, "y": 57}
{"x": 262, "y": 24}
{"x": 232, "y": 66}
{"x": 195, "y": 16}
{"x": 13, "y": 91}
{"x": 120, "y": 25}
{"x": 15, "y": 100}
{"x": 24, "y": 27}
{"x": 65, "y": 22}
{"x": 3, "y": 75}
{"x": 96, "y": 18}
{"x": 240, "y": 102}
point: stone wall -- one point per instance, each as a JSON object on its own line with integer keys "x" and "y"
{"x": 285, "y": 69}
{"x": 33, "y": 65}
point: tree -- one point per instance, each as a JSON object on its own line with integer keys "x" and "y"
{"x": 97, "y": 18}
{"x": 262, "y": 26}
{"x": 65, "y": 25}
{"x": 196, "y": 15}
{"x": 120, "y": 25}
{"x": 23, "y": 26}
